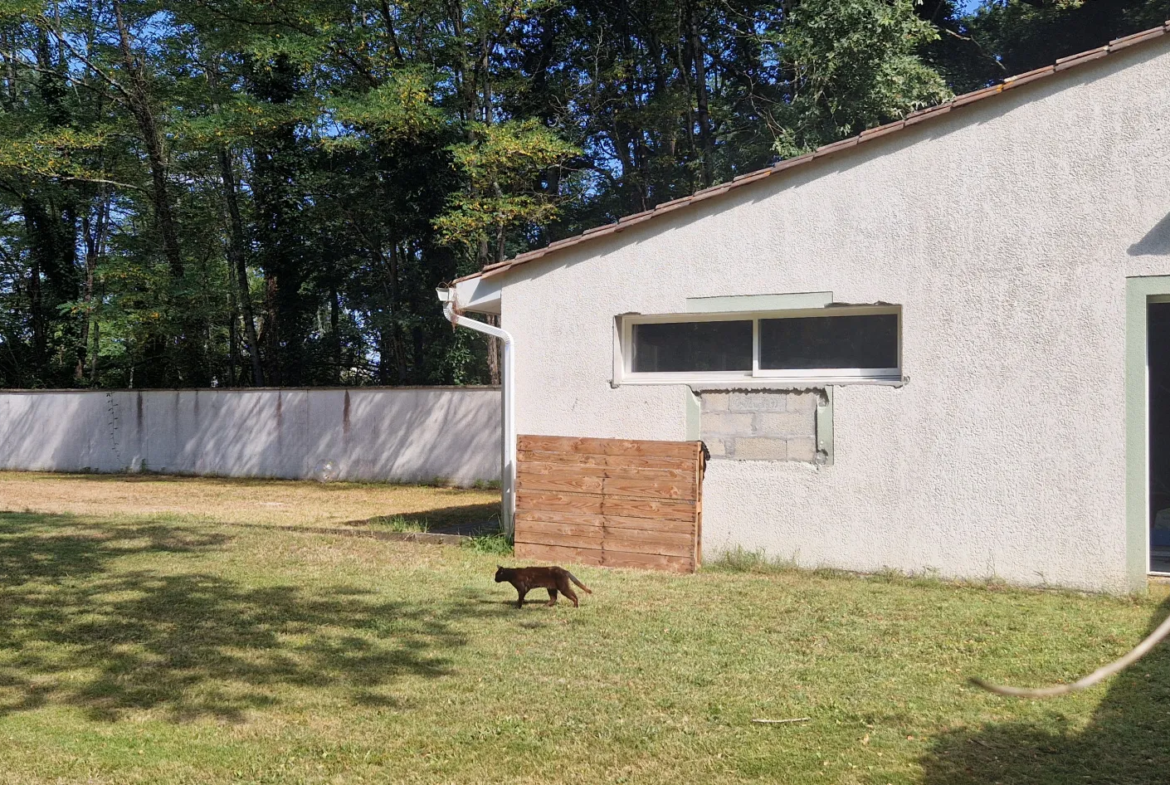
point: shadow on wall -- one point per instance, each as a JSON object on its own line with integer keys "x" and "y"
{"x": 76, "y": 630}
{"x": 1125, "y": 743}
{"x": 1155, "y": 243}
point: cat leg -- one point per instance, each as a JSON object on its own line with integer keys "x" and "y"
{"x": 552, "y": 597}
{"x": 520, "y": 602}
{"x": 566, "y": 588}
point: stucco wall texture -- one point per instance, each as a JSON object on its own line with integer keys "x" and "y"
{"x": 405, "y": 434}
{"x": 1006, "y": 231}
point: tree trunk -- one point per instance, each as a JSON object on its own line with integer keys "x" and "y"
{"x": 138, "y": 99}
{"x": 239, "y": 265}
{"x": 94, "y": 232}
{"x": 699, "y": 56}
{"x": 335, "y": 332}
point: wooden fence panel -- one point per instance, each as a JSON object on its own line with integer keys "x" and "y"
{"x": 610, "y": 502}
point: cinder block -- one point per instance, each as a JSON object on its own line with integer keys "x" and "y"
{"x": 764, "y": 401}
{"x": 802, "y": 449}
{"x": 803, "y": 402}
{"x": 725, "y": 423}
{"x": 761, "y": 449}
{"x": 780, "y": 424}
{"x": 714, "y": 401}
{"x": 716, "y": 447}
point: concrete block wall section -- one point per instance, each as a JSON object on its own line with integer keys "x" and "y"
{"x": 760, "y": 425}
{"x": 371, "y": 434}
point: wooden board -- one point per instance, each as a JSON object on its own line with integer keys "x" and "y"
{"x": 610, "y": 502}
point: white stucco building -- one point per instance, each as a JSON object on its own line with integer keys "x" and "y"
{"x": 933, "y": 348}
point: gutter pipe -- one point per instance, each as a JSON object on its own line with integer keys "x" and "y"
{"x": 508, "y": 467}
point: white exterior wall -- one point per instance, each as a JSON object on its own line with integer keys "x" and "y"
{"x": 1005, "y": 231}
{"x": 402, "y": 434}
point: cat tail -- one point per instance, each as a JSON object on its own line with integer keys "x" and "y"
{"x": 573, "y": 578}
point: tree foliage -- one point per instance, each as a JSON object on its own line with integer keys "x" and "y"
{"x": 240, "y": 192}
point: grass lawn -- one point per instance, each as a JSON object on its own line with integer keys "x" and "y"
{"x": 157, "y": 640}
{"x": 247, "y": 502}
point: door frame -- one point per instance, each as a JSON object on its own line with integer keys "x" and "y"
{"x": 1139, "y": 293}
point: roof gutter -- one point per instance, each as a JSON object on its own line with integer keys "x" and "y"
{"x": 508, "y": 449}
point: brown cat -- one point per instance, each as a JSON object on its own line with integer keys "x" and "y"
{"x": 555, "y": 579}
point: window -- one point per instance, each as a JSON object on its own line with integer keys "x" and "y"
{"x": 818, "y": 344}
{"x": 678, "y": 347}
{"x": 867, "y": 341}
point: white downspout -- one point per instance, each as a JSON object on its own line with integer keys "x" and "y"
{"x": 508, "y": 468}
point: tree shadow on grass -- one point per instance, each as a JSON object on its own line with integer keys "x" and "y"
{"x": 1126, "y": 743}
{"x": 77, "y": 628}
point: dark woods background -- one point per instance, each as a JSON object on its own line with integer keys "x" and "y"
{"x": 247, "y": 192}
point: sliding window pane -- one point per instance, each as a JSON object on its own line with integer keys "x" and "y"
{"x": 692, "y": 347}
{"x": 829, "y": 342}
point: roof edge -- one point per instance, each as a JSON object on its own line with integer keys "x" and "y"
{"x": 914, "y": 118}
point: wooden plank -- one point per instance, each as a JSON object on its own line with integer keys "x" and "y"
{"x": 615, "y": 461}
{"x": 556, "y": 517}
{"x": 559, "y": 483}
{"x": 528, "y": 529}
{"x": 556, "y": 554}
{"x": 646, "y": 561}
{"x": 609, "y": 521}
{"x": 537, "y": 468}
{"x": 587, "y": 446}
{"x": 648, "y": 508}
{"x": 558, "y": 502}
{"x": 531, "y": 536}
{"x": 656, "y": 536}
{"x": 648, "y": 547}
{"x": 562, "y": 555}
{"x": 648, "y": 524}
{"x": 649, "y": 488}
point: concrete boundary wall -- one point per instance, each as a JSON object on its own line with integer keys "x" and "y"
{"x": 371, "y": 434}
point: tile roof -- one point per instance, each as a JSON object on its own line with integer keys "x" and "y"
{"x": 1061, "y": 65}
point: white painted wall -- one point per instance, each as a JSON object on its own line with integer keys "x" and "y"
{"x": 1006, "y": 230}
{"x": 400, "y": 434}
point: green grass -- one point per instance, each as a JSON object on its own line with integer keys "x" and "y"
{"x": 160, "y": 649}
{"x": 400, "y": 523}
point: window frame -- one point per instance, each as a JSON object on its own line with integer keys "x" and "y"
{"x": 624, "y": 349}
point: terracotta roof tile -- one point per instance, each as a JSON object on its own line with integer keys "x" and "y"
{"x": 978, "y": 95}
{"x": 674, "y": 202}
{"x": 1137, "y": 38}
{"x": 912, "y": 119}
{"x": 929, "y": 113}
{"x": 882, "y": 130}
{"x": 707, "y": 193}
{"x": 672, "y": 206}
{"x": 1071, "y": 61}
{"x": 625, "y": 219}
{"x": 789, "y": 163}
{"x": 835, "y": 147}
{"x": 1030, "y": 76}
{"x": 759, "y": 174}
{"x": 633, "y": 219}
{"x": 595, "y": 230}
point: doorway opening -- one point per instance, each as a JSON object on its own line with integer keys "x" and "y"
{"x": 1158, "y": 397}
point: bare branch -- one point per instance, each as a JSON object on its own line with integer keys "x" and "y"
{"x": 88, "y": 63}
{"x": 1115, "y": 667}
{"x": 70, "y": 78}
{"x": 102, "y": 181}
